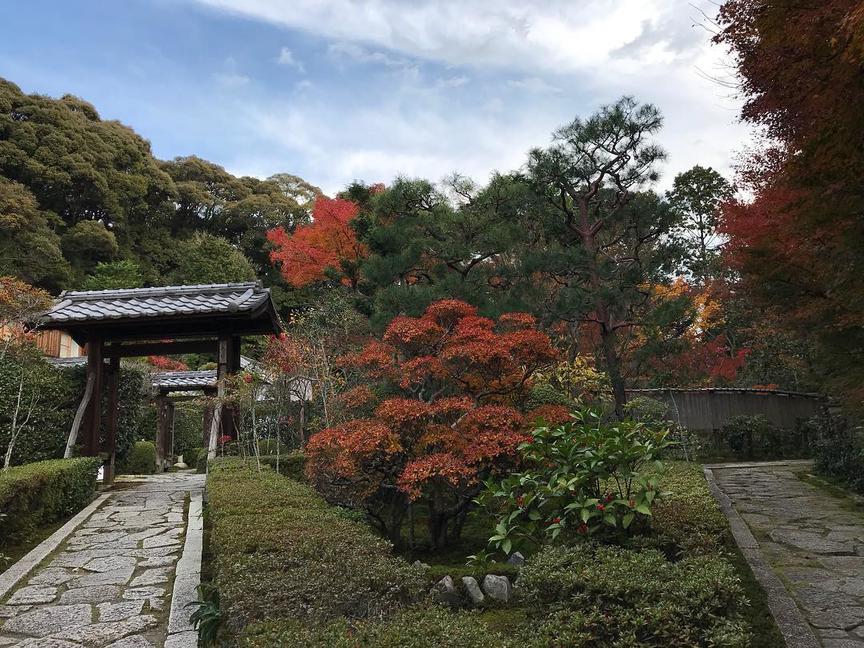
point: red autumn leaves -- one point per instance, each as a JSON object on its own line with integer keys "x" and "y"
{"x": 454, "y": 381}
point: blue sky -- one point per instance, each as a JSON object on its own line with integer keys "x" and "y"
{"x": 336, "y": 90}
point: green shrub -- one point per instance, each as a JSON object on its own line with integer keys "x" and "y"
{"x": 755, "y": 437}
{"x": 608, "y": 596}
{"x": 838, "y": 449}
{"x": 190, "y": 457}
{"x": 412, "y": 628}
{"x": 40, "y": 493}
{"x": 687, "y": 519}
{"x": 201, "y": 461}
{"x": 280, "y": 551}
{"x": 581, "y": 478}
{"x": 291, "y": 464}
{"x": 188, "y": 429}
{"x": 141, "y": 459}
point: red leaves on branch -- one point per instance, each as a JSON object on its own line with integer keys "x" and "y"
{"x": 459, "y": 377}
{"x": 329, "y": 243}
{"x": 167, "y": 364}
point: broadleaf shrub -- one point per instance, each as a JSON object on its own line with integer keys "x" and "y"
{"x": 280, "y": 551}
{"x": 579, "y": 479}
{"x": 589, "y": 595}
{"x": 43, "y": 492}
{"x": 838, "y": 449}
{"x": 141, "y": 459}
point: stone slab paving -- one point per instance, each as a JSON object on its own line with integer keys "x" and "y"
{"x": 110, "y": 583}
{"x": 810, "y": 537}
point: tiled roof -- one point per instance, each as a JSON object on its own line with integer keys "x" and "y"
{"x": 184, "y": 379}
{"x": 137, "y": 303}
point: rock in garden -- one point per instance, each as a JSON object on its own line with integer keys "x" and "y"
{"x": 516, "y": 559}
{"x": 473, "y": 588}
{"x": 497, "y": 587}
{"x": 419, "y": 565}
{"x": 445, "y": 591}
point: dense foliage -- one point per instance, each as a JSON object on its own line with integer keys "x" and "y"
{"x": 438, "y": 396}
{"x": 583, "y": 478}
{"x": 43, "y": 492}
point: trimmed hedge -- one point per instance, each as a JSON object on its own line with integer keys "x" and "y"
{"x": 838, "y": 450}
{"x": 141, "y": 459}
{"x": 291, "y": 464}
{"x": 40, "y": 493}
{"x": 609, "y": 596}
{"x": 412, "y": 628}
{"x": 280, "y": 551}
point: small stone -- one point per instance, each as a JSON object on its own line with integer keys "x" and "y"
{"x": 110, "y": 563}
{"x": 113, "y": 577}
{"x": 99, "y": 634}
{"x": 844, "y": 618}
{"x": 161, "y": 561}
{"x": 33, "y": 594}
{"x": 444, "y": 591}
{"x": 46, "y": 642}
{"x": 182, "y": 640}
{"x": 135, "y": 641}
{"x": 8, "y": 611}
{"x": 42, "y": 622}
{"x": 152, "y": 576}
{"x": 473, "y": 589}
{"x": 93, "y": 594}
{"x": 419, "y": 565}
{"x": 52, "y": 576}
{"x": 516, "y": 559}
{"x": 161, "y": 541}
{"x": 143, "y": 593}
{"x": 497, "y": 587}
{"x": 119, "y": 611}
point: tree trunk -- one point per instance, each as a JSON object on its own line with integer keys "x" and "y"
{"x": 79, "y": 416}
{"x": 613, "y": 368}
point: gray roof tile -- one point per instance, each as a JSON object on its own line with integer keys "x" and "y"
{"x": 208, "y": 299}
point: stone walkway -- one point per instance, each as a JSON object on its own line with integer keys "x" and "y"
{"x": 812, "y": 539}
{"x": 110, "y": 582}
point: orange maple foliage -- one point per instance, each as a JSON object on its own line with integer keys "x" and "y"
{"x": 328, "y": 244}
{"x": 167, "y": 364}
{"x": 458, "y": 380}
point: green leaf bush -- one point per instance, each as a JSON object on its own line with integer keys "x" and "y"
{"x": 280, "y": 551}
{"x": 838, "y": 449}
{"x": 586, "y": 477}
{"x": 36, "y": 494}
{"x": 590, "y": 595}
{"x": 141, "y": 459}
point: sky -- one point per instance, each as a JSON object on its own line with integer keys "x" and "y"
{"x": 343, "y": 90}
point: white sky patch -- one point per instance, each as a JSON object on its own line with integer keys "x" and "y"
{"x": 534, "y": 85}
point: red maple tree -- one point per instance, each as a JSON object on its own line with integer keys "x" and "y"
{"x": 437, "y": 409}
{"x": 325, "y": 248}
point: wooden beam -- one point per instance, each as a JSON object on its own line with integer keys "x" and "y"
{"x": 93, "y": 416}
{"x": 113, "y": 385}
{"x": 161, "y": 348}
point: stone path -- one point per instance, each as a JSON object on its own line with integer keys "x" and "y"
{"x": 812, "y": 539}
{"x": 110, "y": 582}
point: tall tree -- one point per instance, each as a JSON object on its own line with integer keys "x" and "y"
{"x": 697, "y": 195}
{"x": 604, "y": 239}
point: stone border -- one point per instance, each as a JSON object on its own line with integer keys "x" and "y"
{"x": 791, "y": 623}
{"x": 181, "y": 633}
{"x": 25, "y": 565}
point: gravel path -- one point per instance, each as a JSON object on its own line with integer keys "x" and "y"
{"x": 811, "y": 538}
{"x": 110, "y": 582}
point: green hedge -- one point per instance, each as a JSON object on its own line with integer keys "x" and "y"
{"x": 40, "y": 493}
{"x": 609, "y": 596}
{"x": 291, "y": 464}
{"x": 281, "y": 552}
{"x": 141, "y": 459}
{"x": 413, "y": 628}
{"x": 838, "y": 450}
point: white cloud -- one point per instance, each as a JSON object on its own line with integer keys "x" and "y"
{"x": 472, "y": 85}
{"x": 286, "y": 57}
{"x": 534, "y": 85}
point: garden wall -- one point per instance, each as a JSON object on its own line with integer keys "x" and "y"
{"x": 707, "y": 410}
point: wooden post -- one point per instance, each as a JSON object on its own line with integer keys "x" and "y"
{"x": 216, "y": 425}
{"x": 93, "y": 415}
{"x": 169, "y": 433}
{"x": 162, "y": 419}
{"x": 113, "y": 385}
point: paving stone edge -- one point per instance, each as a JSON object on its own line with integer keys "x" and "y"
{"x": 181, "y": 633}
{"x": 791, "y": 623}
{"x": 25, "y": 565}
